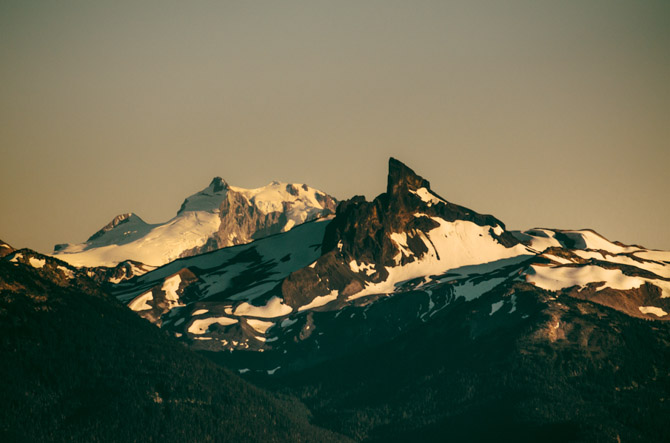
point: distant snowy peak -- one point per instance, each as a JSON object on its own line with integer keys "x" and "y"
{"x": 299, "y": 201}
{"x": 218, "y": 216}
{"x": 116, "y": 221}
{"x": 209, "y": 199}
{"x": 123, "y": 228}
{"x": 302, "y": 201}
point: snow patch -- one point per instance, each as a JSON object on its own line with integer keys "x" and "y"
{"x": 170, "y": 287}
{"x": 202, "y": 325}
{"x": 320, "y": 301}
{"x": 368, "y": 268}
{"x": 287, "y": 322}
{"x": 558, "y": 278}
{"x": 289, "y": 225}
{"x": 591, "y": 240}
{"x": 67, "y": 272}
{"x": 260, "y": 325}
{"x": 274, "y": 308}
{"x": 140, "y": 303}
{"x": 37, "y": 263}
{"x": 651, "y": 266}
{"x": 495, "y": 306}
{"x": 18, "y": 256}
{"x": 540, "y": 239}
{"x": 427, "y": 196}
{"x": 654, "y": 255}
{"x": 653, "y": 310}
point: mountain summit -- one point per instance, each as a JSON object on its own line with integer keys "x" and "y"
{"x": 218, "y": 216}
{"x": 402, "y": 234}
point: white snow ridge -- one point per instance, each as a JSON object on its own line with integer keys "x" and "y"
{"x": 198, "y": 222}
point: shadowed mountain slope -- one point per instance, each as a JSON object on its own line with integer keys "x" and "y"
{"x": 76, "y": 365}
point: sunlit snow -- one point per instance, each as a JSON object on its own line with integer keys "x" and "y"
{"x": 320, "y": 301}
{"x": 653, "y": 310}
{"x": 37, "y": 263}
{"x": 140, "y": 303}
{"x": 557, "y": 278}
{"x": 457, "y": 244}
{"x": 427, "y": 196}
{"x": 170, "y": 286}
{"x": 201, "y": 326}
{"x": 275, "y": 307}
{"x": 368, "y": 268}
{"x": 260, "y": 325}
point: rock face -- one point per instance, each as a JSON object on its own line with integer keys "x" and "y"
{"x": 393, "y": 230}
{"x": 245, "y": 216}
{"x": 123, "y": 271}
{"x": 218, "y": 216}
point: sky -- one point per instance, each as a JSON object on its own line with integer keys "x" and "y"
{"x": 544, "y": 114}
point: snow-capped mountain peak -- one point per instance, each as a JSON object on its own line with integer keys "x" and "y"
{"x": 123, "y": 228}
{"x": 209, "y": 199}
{"x": 217, "y": 216}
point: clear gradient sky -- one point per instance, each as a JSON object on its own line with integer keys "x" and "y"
{"x": 543, "y": 113}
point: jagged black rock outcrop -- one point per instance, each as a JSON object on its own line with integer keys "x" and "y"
{"x": 361, "y": 231}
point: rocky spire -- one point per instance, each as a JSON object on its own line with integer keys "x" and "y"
{"x": 218, "y": 184}
{"x": 401, "y": 178}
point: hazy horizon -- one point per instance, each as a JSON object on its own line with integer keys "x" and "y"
{"x": 544, "y": 115}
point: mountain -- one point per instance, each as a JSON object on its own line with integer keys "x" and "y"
{"x": 550, "y": 368}
{"x": 77, "y": 365}
{"x": 378, "y": 269}
{"x": 218, "y": 216}
{"x": 411, "y": 318}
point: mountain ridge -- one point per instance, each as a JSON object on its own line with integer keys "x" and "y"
{"x": 218, "y": 216}
{"x": 278, "y": 301}
{"x": 410, "y": 317}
